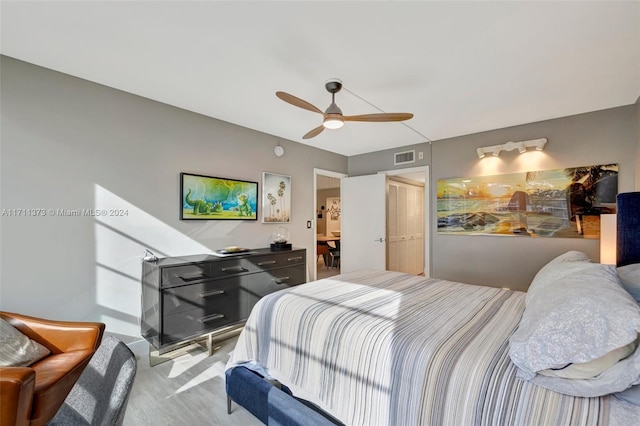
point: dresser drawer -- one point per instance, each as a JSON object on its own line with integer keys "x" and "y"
{"x": 179, "y": 275}
{"x": 205, "y": 296}
{"x": 187, "y": 324}
{"x": 186, "y": 274}
{"x": 231, "y": 267}
{"x": 280, "y": 260}
{"x": 189, "y": 296}
{"x": 257, "y": 286}
{"x": 265, "y": 283}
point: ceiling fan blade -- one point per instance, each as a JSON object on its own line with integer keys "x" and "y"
{"x": 381, "y": 117}
{"x": 313, "y": 133}
{"x": 297, "y": 102}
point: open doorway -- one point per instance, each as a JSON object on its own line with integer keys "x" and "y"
{"x": 407, "y": 230}
{"x": 362, "y": 234}
{"x": 327, "y": 205}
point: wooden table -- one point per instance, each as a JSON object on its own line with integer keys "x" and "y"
{"x": 325, "y": 239}
{"x": 323, "y": 248}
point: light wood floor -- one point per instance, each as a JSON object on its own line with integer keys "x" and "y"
{"x": 324, "y": 271}
{"x": 188, "y": 390}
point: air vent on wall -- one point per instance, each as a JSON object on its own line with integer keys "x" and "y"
{"x": 404, "y": 157}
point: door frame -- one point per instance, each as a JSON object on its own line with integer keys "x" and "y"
{"x": 427, "y": 212}
{"x": 328, "y": 173}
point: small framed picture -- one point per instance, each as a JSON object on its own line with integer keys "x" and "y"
{"x": 276, "y": 198}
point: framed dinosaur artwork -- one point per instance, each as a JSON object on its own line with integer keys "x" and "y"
{"x": 208, "y": 197}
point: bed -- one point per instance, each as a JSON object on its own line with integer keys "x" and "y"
{"x": 386, "y": 348}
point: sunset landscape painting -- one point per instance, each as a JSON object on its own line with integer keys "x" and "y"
{"x": 564, "y": 203}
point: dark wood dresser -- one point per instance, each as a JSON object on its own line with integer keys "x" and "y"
{"x": 184, "y": 298}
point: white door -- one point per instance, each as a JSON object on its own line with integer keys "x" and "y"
{"x": 405, "y": 246}
{"x": 363, "y": 221}
{"x": 418, "y": 236}
{"x": 393, "y": 263}
{"x": 415, "y": 221}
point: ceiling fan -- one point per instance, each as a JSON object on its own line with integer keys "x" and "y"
{"x": 333, "y": 117}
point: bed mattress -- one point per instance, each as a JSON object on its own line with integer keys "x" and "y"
{"x": 386, "y": 348}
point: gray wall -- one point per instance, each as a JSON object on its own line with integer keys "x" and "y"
{"x": 72, "y": 144}
{"x": 609, "y": 136}
{"x": 374, "y": 162}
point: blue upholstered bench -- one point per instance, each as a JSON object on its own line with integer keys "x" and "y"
{"x": 271, "y": 404}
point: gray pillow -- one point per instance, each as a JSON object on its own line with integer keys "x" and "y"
{"x": 16, "y": 349}
{"x": 577, "y": 317}
{"x": 630, "y": 279}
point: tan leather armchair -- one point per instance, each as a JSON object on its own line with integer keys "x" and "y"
{"x": 32, "y": 395}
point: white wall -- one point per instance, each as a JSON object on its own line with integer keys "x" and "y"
{"x": 71, "y": 144}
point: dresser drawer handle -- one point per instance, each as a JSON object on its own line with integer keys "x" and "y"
{"x": 211, "y": 293}
{"x": 291, "y": 259}
{"x": 191, "y": 276}
{"x": 281, "y": 280}
{"x": 211, "y": 318}
{"x": 234, "y": 269}
{"x": 270, "y": 262}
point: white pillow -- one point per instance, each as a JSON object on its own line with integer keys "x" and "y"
{"x": 630, "y": 279}
{"x": 562, "y": 265}
{"x": 587, "y": 370}
{"x": 577, "y": 313}
{"x": 16, "y": 349}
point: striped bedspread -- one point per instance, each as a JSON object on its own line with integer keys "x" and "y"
{"x": 385, "y": 348}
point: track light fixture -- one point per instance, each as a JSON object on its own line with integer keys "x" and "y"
{"x": 510, "y": 146}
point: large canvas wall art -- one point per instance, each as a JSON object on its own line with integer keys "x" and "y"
{"x": 563, "y": 203}
{"x": 276, "y": 198}
{"x": 207, "y": 197}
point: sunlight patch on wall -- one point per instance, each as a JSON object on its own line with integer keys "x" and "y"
{"x": 120, "y": 327}
{"x": 119, "y": 294}
{"x": 140, "y": 226}
{"x": 122, "y": 233}
{"x": 117, "y": 252}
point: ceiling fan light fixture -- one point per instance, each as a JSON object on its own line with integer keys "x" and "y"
{"x": 333, "y": 121}
{"x": 333, "y": 117}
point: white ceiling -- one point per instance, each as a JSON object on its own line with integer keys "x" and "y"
{"x": 460, "y": 67}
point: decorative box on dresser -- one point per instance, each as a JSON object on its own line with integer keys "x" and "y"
{"x": 187, "y": 297}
